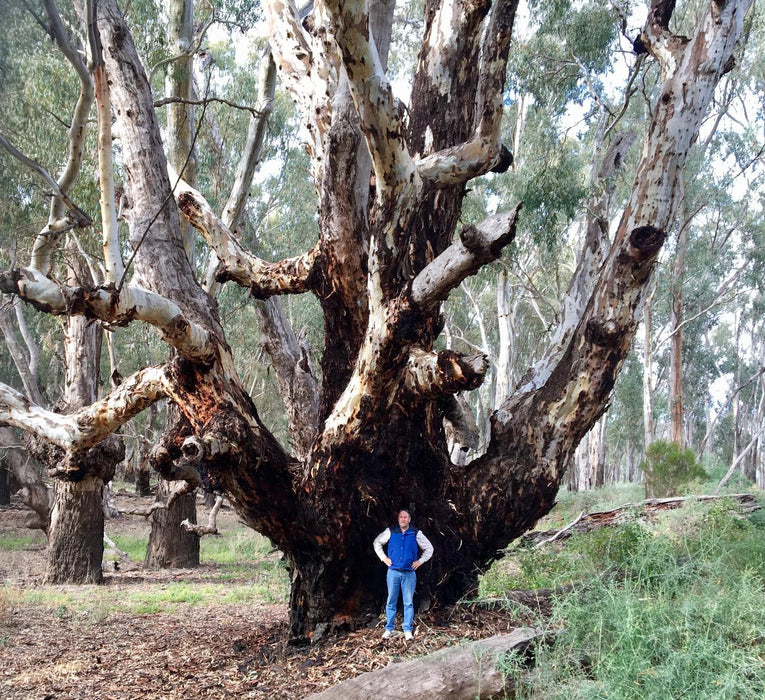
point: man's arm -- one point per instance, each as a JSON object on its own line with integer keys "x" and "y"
{"x": 427, "y": 550}
{"x": 380, "y": 540}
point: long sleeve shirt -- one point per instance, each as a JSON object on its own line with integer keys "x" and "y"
{"x": 422, "y": 542}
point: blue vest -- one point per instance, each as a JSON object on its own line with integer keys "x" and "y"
{"x": 402, "y": 548}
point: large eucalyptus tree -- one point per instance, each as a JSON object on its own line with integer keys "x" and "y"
{"x": 390, "y": 182}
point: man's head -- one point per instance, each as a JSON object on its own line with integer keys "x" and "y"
{"x": 404, "y": 519}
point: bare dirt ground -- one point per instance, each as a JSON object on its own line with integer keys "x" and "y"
{"x": 200, "y": 651}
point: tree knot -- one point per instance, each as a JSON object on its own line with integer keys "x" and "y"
{"x": 647, "y": 240}
{"x": 604, "y": 333}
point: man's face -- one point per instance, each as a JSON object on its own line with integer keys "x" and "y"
{"x": 404, "y": 520}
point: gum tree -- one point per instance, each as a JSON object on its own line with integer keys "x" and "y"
{"x": 390, "y": 183}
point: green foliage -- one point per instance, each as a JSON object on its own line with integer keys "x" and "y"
{"x": 669, "y": 469}
{"x": 664, "y": 611}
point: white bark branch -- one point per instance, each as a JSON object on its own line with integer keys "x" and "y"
{"x": 212, "y": 521}
{"x": 264, "y": 278}
{"x": 104, "y": 303}
{"x": 476, "y": 246}
{"x": 87, "y": 427}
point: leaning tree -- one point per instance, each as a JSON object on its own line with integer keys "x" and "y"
{"x": 390, "y": 182}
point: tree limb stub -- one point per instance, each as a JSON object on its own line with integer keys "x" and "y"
{"x": 476, "y": 246}
{"x": 464, "y": 672}
{"x": 460, "y": 164}
{"x": 431, "y": 374}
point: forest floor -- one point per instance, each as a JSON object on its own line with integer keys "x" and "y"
{"x": 207, "y": 632}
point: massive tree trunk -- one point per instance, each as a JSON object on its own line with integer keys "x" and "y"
{"x": 385, "y": 259}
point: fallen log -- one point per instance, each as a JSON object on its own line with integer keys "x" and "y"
{"x": 465, "y": 672}
{"x": 747, "y": 503}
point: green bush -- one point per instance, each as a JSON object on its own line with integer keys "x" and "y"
{"x": 683, "y": 617}
{"x": 669, "y": 469}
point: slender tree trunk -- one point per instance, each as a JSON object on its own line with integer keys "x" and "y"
{"x": 649, "y": 426}
{"x": 676, "y": 430}
{"x": 736, "y": 407}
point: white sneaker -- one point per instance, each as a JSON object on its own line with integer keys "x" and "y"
{"x": 408, "y": 635}
{"x": 387, "y": 634}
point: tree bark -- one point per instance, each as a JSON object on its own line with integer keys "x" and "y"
{"x": 676, "y": 430}
{"x": 5, "y": 484}
{"x": 76, "y": 536}
{"x": 170, "y": 545}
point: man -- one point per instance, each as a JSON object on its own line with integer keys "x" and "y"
{"x": 404, "y": 543}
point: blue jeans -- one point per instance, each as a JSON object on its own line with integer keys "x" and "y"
{"x": 403, "y": 581}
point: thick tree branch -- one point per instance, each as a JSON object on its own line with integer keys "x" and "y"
{"x": 291, "y": 276}
{"x": 88, "y": 426}
{"x": 476, "y": 246}
{"x": 107, "y": 305}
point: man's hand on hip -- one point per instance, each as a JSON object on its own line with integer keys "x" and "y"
{"x": 388, "y": 561}
{"x": 416, "y": 565}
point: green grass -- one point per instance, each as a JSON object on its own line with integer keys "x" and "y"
{"x": 267, "y": 586}
{"x": 240, "y": 545}
{"x": 245, "y": 571}
{"x": 670, "y": 609}
{"x": 13, "y": 542}
{"x": 235, "y": 548}
{"x": 134, "y": 545}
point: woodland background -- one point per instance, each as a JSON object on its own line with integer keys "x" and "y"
{"x": 688, "y": 409}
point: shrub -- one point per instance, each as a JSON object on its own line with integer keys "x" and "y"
{"x": 669, "y": 469}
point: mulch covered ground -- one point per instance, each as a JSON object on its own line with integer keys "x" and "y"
{"x": 212, "y": 651}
